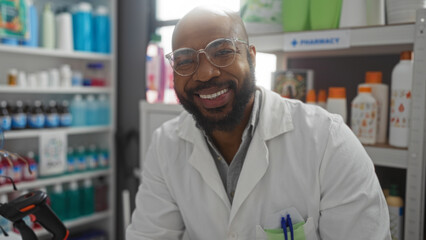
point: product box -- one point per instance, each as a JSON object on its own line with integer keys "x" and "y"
{"x": 293, "y": 83}
{"x": 261, "y": 16}
{"x": 13, "y": 18}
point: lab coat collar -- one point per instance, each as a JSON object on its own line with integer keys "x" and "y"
{"x": 275, "y": 119}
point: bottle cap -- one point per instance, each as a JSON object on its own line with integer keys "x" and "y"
{"x": 373, "y": 77}
{"x": 322, "y": 95}
{"x": 155, "y": 37}
{"x": 337, "y": 92}
{"x": 30, "y": 154}
{"x": 406, "y": 55}
{"x": 84, "y": 7}
{"x": 101, "y": 10}
{"x": 364, "y": 89}
{"x": 311, "y": 96}
{"x": 58, "y": 188}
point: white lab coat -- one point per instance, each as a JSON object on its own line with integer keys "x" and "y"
{"x": 300, "y": 156}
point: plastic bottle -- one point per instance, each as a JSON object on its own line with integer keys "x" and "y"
{"x": 58, "y": 201}
{"x": 380, "y": 92}
{"x": 32, "y": 164}
{"x": 32, "y": 40}
{"x": 322, "y": 98}
{"x": 91, "y": 111}
{"x": 155, "y": 76}
{"x": 54, "y": 78}
{"x": 52, "y": 116}
{"x": 21, "y": 81}
{"x": 311, "y": 97}
{"x": 37, "y": 118}
{"x": 73, "y": 200}
{"x": 65, "y": 75}
{"x": 82, "y": 27}
{"x": 48, "y": 27}
{"x": 78, "y": 111}
{"x": 87, "y": 197}
{"x": 14, "y": 171}
{"x": 336, "y": 102}
{"x": 81, "y": 159}
{"x": 101, "y": 30}
{"x": 12, "y": 77}
{"x": 396, "y": 212}
{"x": 101, "y": 194}
{"x": 3, "y": 167}
{"x": 65, "y": 117}
{"x": 5, "y": 118}
{"x": 65, "y": 39}
{"x": 71, "y": 163}
{"x": 104, "y": 111}
{"x": 400, "y": 106}
{"x": 19, "y": 118}
{"x": 364, "y": 115}
{"x": 4, "y": 223}
{"x": 91, "y": 157}
{"x": 103, "y": 157}
{"x": 96, "y": 73}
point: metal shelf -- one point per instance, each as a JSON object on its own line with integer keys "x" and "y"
{"x": 55, "y": 53}
{"x": 386, "y": 156}
{"x": 362, "y": 41}
{"x": 43, "y": 182}
{"x": 33, "y": 133}
{"x": 62, "y": 90}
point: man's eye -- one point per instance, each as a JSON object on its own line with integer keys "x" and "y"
{"x": 184, "y": 63}
{"x": 224, "y": 53}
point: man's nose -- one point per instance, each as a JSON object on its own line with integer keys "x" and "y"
{"x": 206, "y": 70}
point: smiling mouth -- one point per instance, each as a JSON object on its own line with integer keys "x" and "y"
{"x": 213, "y": 95}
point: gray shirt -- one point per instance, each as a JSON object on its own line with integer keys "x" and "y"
{"x": 230, "y": 173}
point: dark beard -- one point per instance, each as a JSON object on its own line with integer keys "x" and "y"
{"x": 231, "y": 120}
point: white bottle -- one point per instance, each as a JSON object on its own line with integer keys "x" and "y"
{"x": 336, "y": 101}
{"x": 364, "y": 115}
{"x": 380, "y": 92}
{"x": 66, "y": 74}
{"x": 400, "y": 106}
{"x": 91, "y": 111}
{"x": 64, "y": 38}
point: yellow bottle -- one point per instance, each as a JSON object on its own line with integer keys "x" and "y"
{"x": 396, "y": 213}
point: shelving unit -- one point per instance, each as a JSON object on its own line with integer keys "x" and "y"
{"x": 370, "y": 41}
{"x": 33, "y": 60}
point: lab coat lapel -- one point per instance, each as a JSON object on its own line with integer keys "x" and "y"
{"x": 202, "y": 160}
{"x": 255, "y": 166}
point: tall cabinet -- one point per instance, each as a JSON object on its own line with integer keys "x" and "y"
{"x": 33, "y": 60}
{"x": 369, "y": 42}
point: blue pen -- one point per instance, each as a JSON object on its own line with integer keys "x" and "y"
{"x": 284, "y": 227}
{"x": 290, "y": 225}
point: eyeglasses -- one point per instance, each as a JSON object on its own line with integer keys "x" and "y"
{"x": 220, "y": 52}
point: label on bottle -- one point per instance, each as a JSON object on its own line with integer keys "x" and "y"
{"x": 5, "y": 122}
{"x": 400, "y": 108}
{"x": 52, "y": 120}
{"x": 33, "y": 174}
{"x": 36, "y": 120}
{"x": 70, "y": 163}
{"x": 81, "y": 163}
{"x": 364, "y": 121}
{"x": 91, "y": 161}
{"x": 66, "y": 119}
{"x": 19, "y": 120}
{"x": 15, "y": 173}
{"x": 103, "y": 159}
{"x": 2, "y": 173}
{"x": 396, "y": 215}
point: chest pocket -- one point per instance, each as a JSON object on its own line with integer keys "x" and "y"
{"x": 302, "y": 231}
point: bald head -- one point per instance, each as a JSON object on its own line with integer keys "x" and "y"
{"x": 211, "y": 21}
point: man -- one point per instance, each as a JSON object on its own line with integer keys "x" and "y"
{"x": 241, "y": 158}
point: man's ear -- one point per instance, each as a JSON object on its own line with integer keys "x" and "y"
{"x": 252, "y": 51}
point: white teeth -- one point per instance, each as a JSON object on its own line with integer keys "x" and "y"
{"x": 214, "y": 95}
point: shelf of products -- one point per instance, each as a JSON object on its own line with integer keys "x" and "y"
{"x": 54, "y": 53}
{"x": 88, "y": 74}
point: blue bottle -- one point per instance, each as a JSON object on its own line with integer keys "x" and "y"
{"x": 92, "y": 114}
{"x": 104, "y": 111}
{"x": 82, "y": 27}
{"x": 101, "y": 30}
{"x": 78, "y": 111}
{"x": 32, "y": 41}
{"x": 5, "y": 118}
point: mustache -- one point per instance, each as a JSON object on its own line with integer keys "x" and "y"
{"x": 209, "y": 84}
